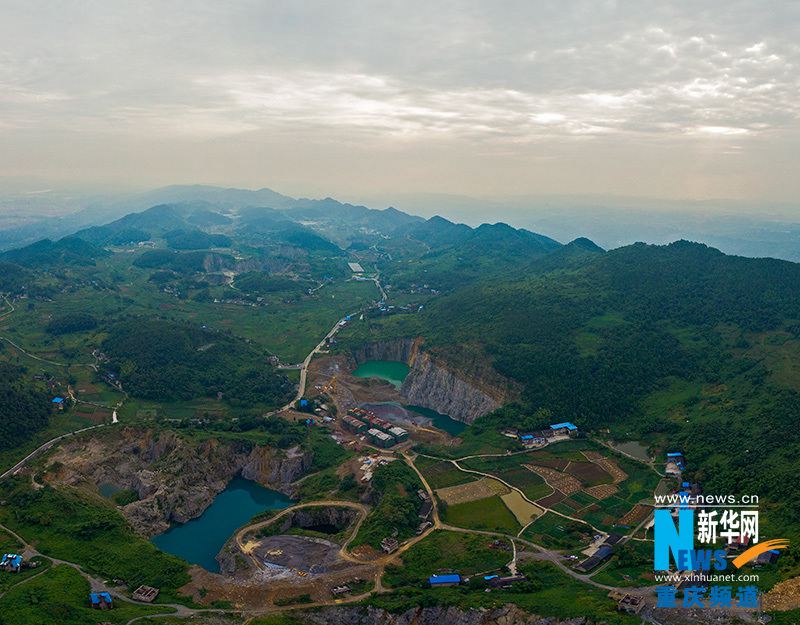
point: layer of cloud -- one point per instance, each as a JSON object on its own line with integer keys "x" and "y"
{"x": 508, "y": 77}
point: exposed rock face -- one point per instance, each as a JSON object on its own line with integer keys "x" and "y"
{"x": 432, "y": 383}
{"x": 402, "y": 350}
{"x": 176, "y": 480}
{"x": 506, "y": 615}
{"x": 230, "y": 558}
{"x": 310, "y": 517}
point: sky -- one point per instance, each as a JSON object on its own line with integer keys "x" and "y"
{"x": 673, "y": 100}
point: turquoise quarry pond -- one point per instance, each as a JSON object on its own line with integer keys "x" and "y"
{"x": 441, "y": 421}
{"x": 392, "y": 371}
{"x": 395, "y": 372}
{"x": 198, "y": 541}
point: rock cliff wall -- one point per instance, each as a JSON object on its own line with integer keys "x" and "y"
{"x": 176, "y": 480}
{"x": 434, "y": 384}
{"x": 506, "y": 615}
{"x": 402, "y": 350}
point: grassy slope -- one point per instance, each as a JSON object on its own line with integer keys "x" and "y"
{"x": 76, "y": 527}
{"x": 61, "y": 597}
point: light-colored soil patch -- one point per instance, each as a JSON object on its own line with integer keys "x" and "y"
{"x": 556, "y": 479}
{"x": 784, "y": 596}
{"x": 471, "y": 491}
{"x": 603, "y": 491}
{"x": 523, "y": 510}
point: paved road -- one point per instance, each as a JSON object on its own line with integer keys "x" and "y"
{"x": 303, "y": 367}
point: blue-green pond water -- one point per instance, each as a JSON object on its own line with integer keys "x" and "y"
{"x": 198, "y": 541}
{"x": 395, "y": 372}
{"x": 392, "y": 371}
{"x": 441, "y": 421}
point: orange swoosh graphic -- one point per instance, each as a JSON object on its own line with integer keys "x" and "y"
{"x": 756, "y": 550}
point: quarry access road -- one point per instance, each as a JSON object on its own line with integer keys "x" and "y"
{"x": 361, "y": 508}
{"x": 303, "y": 367}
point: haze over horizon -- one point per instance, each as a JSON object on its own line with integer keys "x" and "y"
{"x": 380, "y": 100}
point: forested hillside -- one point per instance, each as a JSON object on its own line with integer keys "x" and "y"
{"x": 680, "y": 345}
{"x": 24, "y": 409}
{"x": 167, "y": 361}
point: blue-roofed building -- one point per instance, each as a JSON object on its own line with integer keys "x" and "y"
{"x": 560, "y": 429}
{"x": 444, "y": 580}
{"x": 11, "y": 562}
{"x": 101, "y": 600}
{"x": 675, "y": 463}
{"x": 488, "y": 577}
{"x": 58, "y": 403}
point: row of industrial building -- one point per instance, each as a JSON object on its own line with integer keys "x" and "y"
{"x": 380, "y": 433}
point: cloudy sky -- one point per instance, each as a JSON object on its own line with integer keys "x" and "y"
{"x": 696, "y": 99}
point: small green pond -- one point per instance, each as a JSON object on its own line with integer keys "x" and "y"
{"x": 392, "y": 371}
{"x": 395, "y": 372}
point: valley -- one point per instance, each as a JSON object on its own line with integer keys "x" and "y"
{"x": 278, "y": 412}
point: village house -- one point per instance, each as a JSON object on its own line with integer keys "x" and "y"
{"x": 11, "y": 562}
{"x": 101, "y": 601}
{"x": 441, "y": 581}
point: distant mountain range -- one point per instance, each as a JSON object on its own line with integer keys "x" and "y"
{"x": 611, "y": 222}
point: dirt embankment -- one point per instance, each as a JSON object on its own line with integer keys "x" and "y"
{"x": 175, "y": 479}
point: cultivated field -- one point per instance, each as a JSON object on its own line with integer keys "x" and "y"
{"x": 471, "y": 491}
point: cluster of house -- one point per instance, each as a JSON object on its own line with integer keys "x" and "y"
{"x": 380, "y": 433}
{"x": 688, "y": 491}
{"x": 390, "y": 543}
{"x": 369, "y": 464}
{"x": 383, "y": 309}
{"x": 425, "y": 511}
{"x": 537, "y": 438}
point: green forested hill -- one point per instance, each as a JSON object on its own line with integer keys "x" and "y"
{"x": 590, "y": 341}
{"x": 163, "y": 360}
{"x": 24, "y": 409}
{"x": 677, "y": 344}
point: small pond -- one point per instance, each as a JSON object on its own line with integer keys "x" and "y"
{"x": 393, "y": 371}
